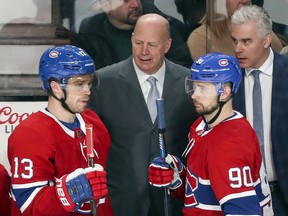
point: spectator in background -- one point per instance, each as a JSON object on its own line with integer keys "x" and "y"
{"x": 67, "y": 11}
{"x": 121, "y": 102}
{"x": 251, "y": 29}
{"x": 5, "y": 199}
{"x": 219, "y": 34}
{"x": 192, "y": 13}
{"x": 107, "y": 36}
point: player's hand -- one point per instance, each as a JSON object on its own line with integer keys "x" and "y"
{"x": 98, "y": 181}
{"x": 166, "y": 173}
{"x": 81, "y": 186}
{"x": 160, "y": 173}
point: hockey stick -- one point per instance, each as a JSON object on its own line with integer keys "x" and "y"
{"x": 163, "y": 154}
{"x": 90, "y": 158}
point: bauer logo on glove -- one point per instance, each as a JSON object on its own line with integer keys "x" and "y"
{"x": 80, "y": 186}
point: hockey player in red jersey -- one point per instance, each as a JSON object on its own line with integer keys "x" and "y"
{"x": 224, "y": 173}
{"x": 48, "y": 151}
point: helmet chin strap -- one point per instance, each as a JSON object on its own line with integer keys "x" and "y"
{"x": 221, "y": 104}
{"x": 64, "y": 104}
{"x": 62, "y": 101}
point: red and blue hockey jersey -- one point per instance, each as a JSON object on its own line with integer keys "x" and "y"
{"x": 42, "y": 149}
{"x": 225, "y": 173}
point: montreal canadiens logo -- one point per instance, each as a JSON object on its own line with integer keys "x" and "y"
{"x": 223, "y": 62}
{"x": 53, "y": 54}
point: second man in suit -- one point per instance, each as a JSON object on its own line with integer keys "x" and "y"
{"x": 251, "y": 29}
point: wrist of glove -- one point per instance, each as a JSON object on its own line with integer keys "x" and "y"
{"x": 166, "y": 173}
{"x": 80, "y": 186}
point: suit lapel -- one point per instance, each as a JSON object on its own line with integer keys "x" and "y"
{"x": 277, "y": 104}
{"x": 172, "y": 85}
{"x": 239, "y": 99}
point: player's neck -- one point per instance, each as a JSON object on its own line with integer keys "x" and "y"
{"x": 56, "y": 109}
{"x": 226, "y": 112}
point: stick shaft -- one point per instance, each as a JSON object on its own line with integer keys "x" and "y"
{"x": 90, "y": 158}
{"x": 161, "y": 126}
{"x": 163, "y": 153}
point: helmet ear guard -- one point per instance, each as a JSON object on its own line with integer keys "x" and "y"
{"x": 220, "y": 87}
{"x": 216, "y": 68}
{"x": 62, "y": 62}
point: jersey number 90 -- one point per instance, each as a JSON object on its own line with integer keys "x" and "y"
{"x": 240, "y": 177}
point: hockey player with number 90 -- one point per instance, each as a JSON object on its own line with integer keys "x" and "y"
{"x": 225, "y": 174}
{"x": 48, "y": 151}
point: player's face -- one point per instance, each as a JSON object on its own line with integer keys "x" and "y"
{"x": 124, "y": 11}
{"x": 150, "y": 42}
{"x": 78, "y": 92}
{"x": 250, "y": 49}
{"x": 204, "y": 98}
{"x": 233, "y": 5}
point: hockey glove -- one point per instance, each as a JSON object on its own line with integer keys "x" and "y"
{"x": 80, "y": 186}
{"x": 166, "y": 173}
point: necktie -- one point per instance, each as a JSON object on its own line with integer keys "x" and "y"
{"x": 152, "y": 97}
{"x": 257, "y": 111}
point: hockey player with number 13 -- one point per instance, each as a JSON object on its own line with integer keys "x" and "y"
{"x": 47, "y": 151}
{"x": 225, "y": 174}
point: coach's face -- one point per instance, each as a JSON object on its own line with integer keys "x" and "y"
{"x": 150, "y": 43}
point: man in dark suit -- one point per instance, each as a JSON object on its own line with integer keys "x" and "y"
{"x": 120, "y": 101}
{"x": 251, "y": 29}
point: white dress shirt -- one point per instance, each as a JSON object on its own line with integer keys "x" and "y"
{"x": 145, "y": 85}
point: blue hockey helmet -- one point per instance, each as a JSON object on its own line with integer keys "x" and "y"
{"x": 63, "y": 62}
{"x": 216, "y": 68}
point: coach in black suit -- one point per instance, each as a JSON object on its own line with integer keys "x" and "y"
{"x": 120, "y": 101}
{"x": 252, "y": 38}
